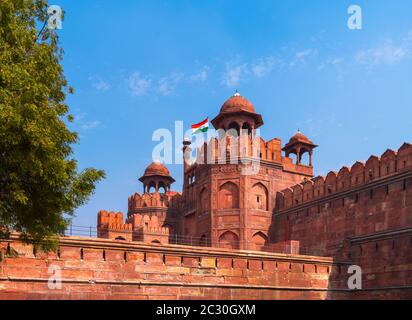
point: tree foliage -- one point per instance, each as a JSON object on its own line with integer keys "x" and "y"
{"x": 40, "y": 186}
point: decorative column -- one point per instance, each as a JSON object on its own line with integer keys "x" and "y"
{"x": 298, "y": 156}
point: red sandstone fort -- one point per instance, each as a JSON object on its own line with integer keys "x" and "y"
{"x": 278, "y": 233}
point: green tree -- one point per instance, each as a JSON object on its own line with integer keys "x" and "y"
{"x": 40, "y": 185}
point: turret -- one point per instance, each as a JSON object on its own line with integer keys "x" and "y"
{"x": 239, "y": 114}
{"x": 299, "y": 144}
{"x": 156, "y": 176}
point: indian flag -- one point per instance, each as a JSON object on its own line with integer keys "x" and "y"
{"x": 201, "y": 127}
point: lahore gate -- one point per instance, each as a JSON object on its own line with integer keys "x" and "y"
{"x": 279, "y": 206}
{"x": 222, "y": 203}
{"x": 250, "y": 223}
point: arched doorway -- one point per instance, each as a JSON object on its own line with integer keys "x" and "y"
{"x": 229, "y": 240}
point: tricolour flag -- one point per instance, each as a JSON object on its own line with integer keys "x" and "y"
{"x": 201, "y": 127}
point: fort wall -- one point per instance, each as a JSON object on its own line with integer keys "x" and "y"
{"x": 371, "y": 197}
{"x": 363, "y": 214}
{"x": 106, "y": 269}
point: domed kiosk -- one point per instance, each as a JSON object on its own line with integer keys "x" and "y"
{"x": 299, "y": 144}
{"x": 156, "y": 176}
{"x": 237, "y": 113}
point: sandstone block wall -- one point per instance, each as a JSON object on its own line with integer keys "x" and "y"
{"x": 104, "y": 269}
{"x": 363, "y": 214}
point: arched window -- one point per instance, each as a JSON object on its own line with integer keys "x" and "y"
{"x": 246, "y": 128}
{"x": 259, "y": 240}
{"x": 233, "y": 129}
{"x": 259, "y": 197}
{"x": 229, "y": 240}
{"x": 294, "y": 157}
{"x": 229, "y": 196}
{"x": 120, "y": 239}
{"x": 162, "y": 187}
{"x": 151, "y": 187}
{"x": 304, "y": 157}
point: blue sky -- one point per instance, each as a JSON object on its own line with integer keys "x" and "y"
{"x": 138, "y": 66}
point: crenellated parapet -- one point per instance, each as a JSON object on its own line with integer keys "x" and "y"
{"x": 112, "y": 220}
{"x": 230, "y": 148}
{"x": 145, "y": 221}
{"x": 242, "y": 146}
{"x": 153, "y": 200}
{"x": 110, "y": 225}
{"x": 375, "y": 168}
{"x": 149, "y": 229}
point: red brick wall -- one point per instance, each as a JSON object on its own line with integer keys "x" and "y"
{"x": 104, "y": 269}
{"x": 383, "y": 205}
{"x": 386, "y": 261}
{"x": 363, "y": 214}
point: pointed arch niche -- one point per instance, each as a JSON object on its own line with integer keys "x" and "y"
{"x": 260, "y": 197}
{"x": 229, "y": 196}
{"x": 229, "y": 240}
{"x": 259, "y": 241}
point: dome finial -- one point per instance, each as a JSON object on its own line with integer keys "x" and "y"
{"x": 237, "y": 94}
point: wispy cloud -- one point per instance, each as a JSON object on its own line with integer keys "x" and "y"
{"x": 264, "y": 66}
{"x": 91, "y": 125}
{"x": 201, "y": 75}
{"x": 233, "y": 74}
{"x": 167, "y": 85}
{"x": 300, "y": 58}
{"x": 236, "y": 72}
{"x": 387, "y": 52}
{"x": 139, "y": 85}
{"x": 99, "y": 84}
{"x": 83, "y": 124}
{"x": 336, "y": 61}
